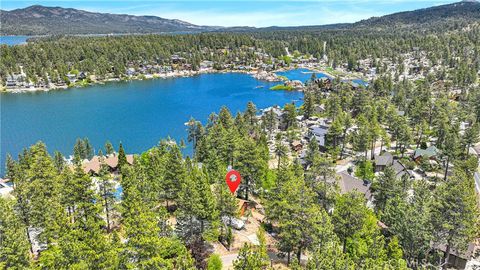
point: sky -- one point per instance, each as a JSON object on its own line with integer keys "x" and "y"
{"x": 244, "y": 13}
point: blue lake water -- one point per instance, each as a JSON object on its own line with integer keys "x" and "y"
{"x": 300, "y": 74}
{"x": 360, "y": 82}
{"x": 137, "y": 113}
{"x": 13, "y": 40}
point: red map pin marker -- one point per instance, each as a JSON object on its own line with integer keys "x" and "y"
{"x": 233, "y": 179}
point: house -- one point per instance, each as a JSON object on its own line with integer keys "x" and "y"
{"x": 278, "y": 114}
{"x": 72, "y": 77}
{"x": 457, "y": 259}
{"x": 14, "y": 80}
{"x": 92, "y": 167}
{"x": 318, "y": 132}
{"x": 297, "y": 145}
{"x": 319, "y": 108}
{"x": 382, "y": 161}
{"x": 206, "y": 65}
{"x": 400, "y": 170}
{"x": 82, "y": 75}
{"x": 348, "y": 183}
{"x": 11, "y": 82}
{"x": 130, "y": 71}
{"x": 430, "y": 153}
{"x": 175, "y": 59}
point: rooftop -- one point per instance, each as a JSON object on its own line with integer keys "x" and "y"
{"x": 349, "y": 183}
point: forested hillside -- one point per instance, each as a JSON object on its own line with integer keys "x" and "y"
{"x": 433, "y": 17}
{"x": 41, "y": 20}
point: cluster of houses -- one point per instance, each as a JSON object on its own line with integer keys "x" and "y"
{"x": 91, "y": 167}
{"x": 404, "y": 168}
{"x": 414, "y": 65}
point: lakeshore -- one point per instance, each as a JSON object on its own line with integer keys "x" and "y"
{"x": 269, "y": 76}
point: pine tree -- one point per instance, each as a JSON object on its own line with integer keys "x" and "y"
{"x": 251, "y": 115}
{"x": 109, "y": 148}
{"x": 290, "y": 114}
{"x": 59, "y": 161}
{"x": 40, "y": 186}
{"x": 386, "y": 187}
{"x": 197, "y": 206}
{"x": 14, "y": 245}
{"x": 410, "y": 221}
{"x": 248, "y": 258}
{"x": 321, "y": 178}
{"x": 79, "y": 149}
{"x": 471, "y": 136}
{"x": 329, "y": 257}
{"x": 214, "y": 262}
{"x": 250, "y": 165}
{"x": 122, "y": 158}
{"x": 302, "y": 224}
{"x": 348, "y": 216}
{"x": 174, "y": 175}
{"x": 455, "y": 216}
{"x": 146, "y": 248}
{"x": 308, "y": 105}
{"x": 195, "y": 132}
{"x": 89, "y": 152}
{"x": 107, "y": 193}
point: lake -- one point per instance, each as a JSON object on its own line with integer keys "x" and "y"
{"x": 13, "y": 40}
{"x": 137, "y": 113}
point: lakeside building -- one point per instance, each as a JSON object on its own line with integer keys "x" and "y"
{"x": 92, "y": 167}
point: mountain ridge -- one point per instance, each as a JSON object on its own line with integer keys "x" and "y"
{"x": 42, "y": 20}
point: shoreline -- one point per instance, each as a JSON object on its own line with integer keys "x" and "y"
{"x": 269, "y": 76}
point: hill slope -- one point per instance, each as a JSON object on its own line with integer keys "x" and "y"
{"x": 439, "y": 18}
{"x": 40, "y": 20}
{"x": 461, "y": 11}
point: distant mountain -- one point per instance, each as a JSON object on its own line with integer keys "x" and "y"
{"x": 438, "y": 17}
{"x": 462, "y": 11}
{"x": 41, "y": 20}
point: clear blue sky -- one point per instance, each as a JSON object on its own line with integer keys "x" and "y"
{"x": 244, "y": 13}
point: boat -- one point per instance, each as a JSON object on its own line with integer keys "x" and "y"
{"x": 259, "y": 86}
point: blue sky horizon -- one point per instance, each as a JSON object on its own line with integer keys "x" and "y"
{"x": 244, "y": 13}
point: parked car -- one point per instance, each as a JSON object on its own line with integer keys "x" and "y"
{"x": 233, "y": 222}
